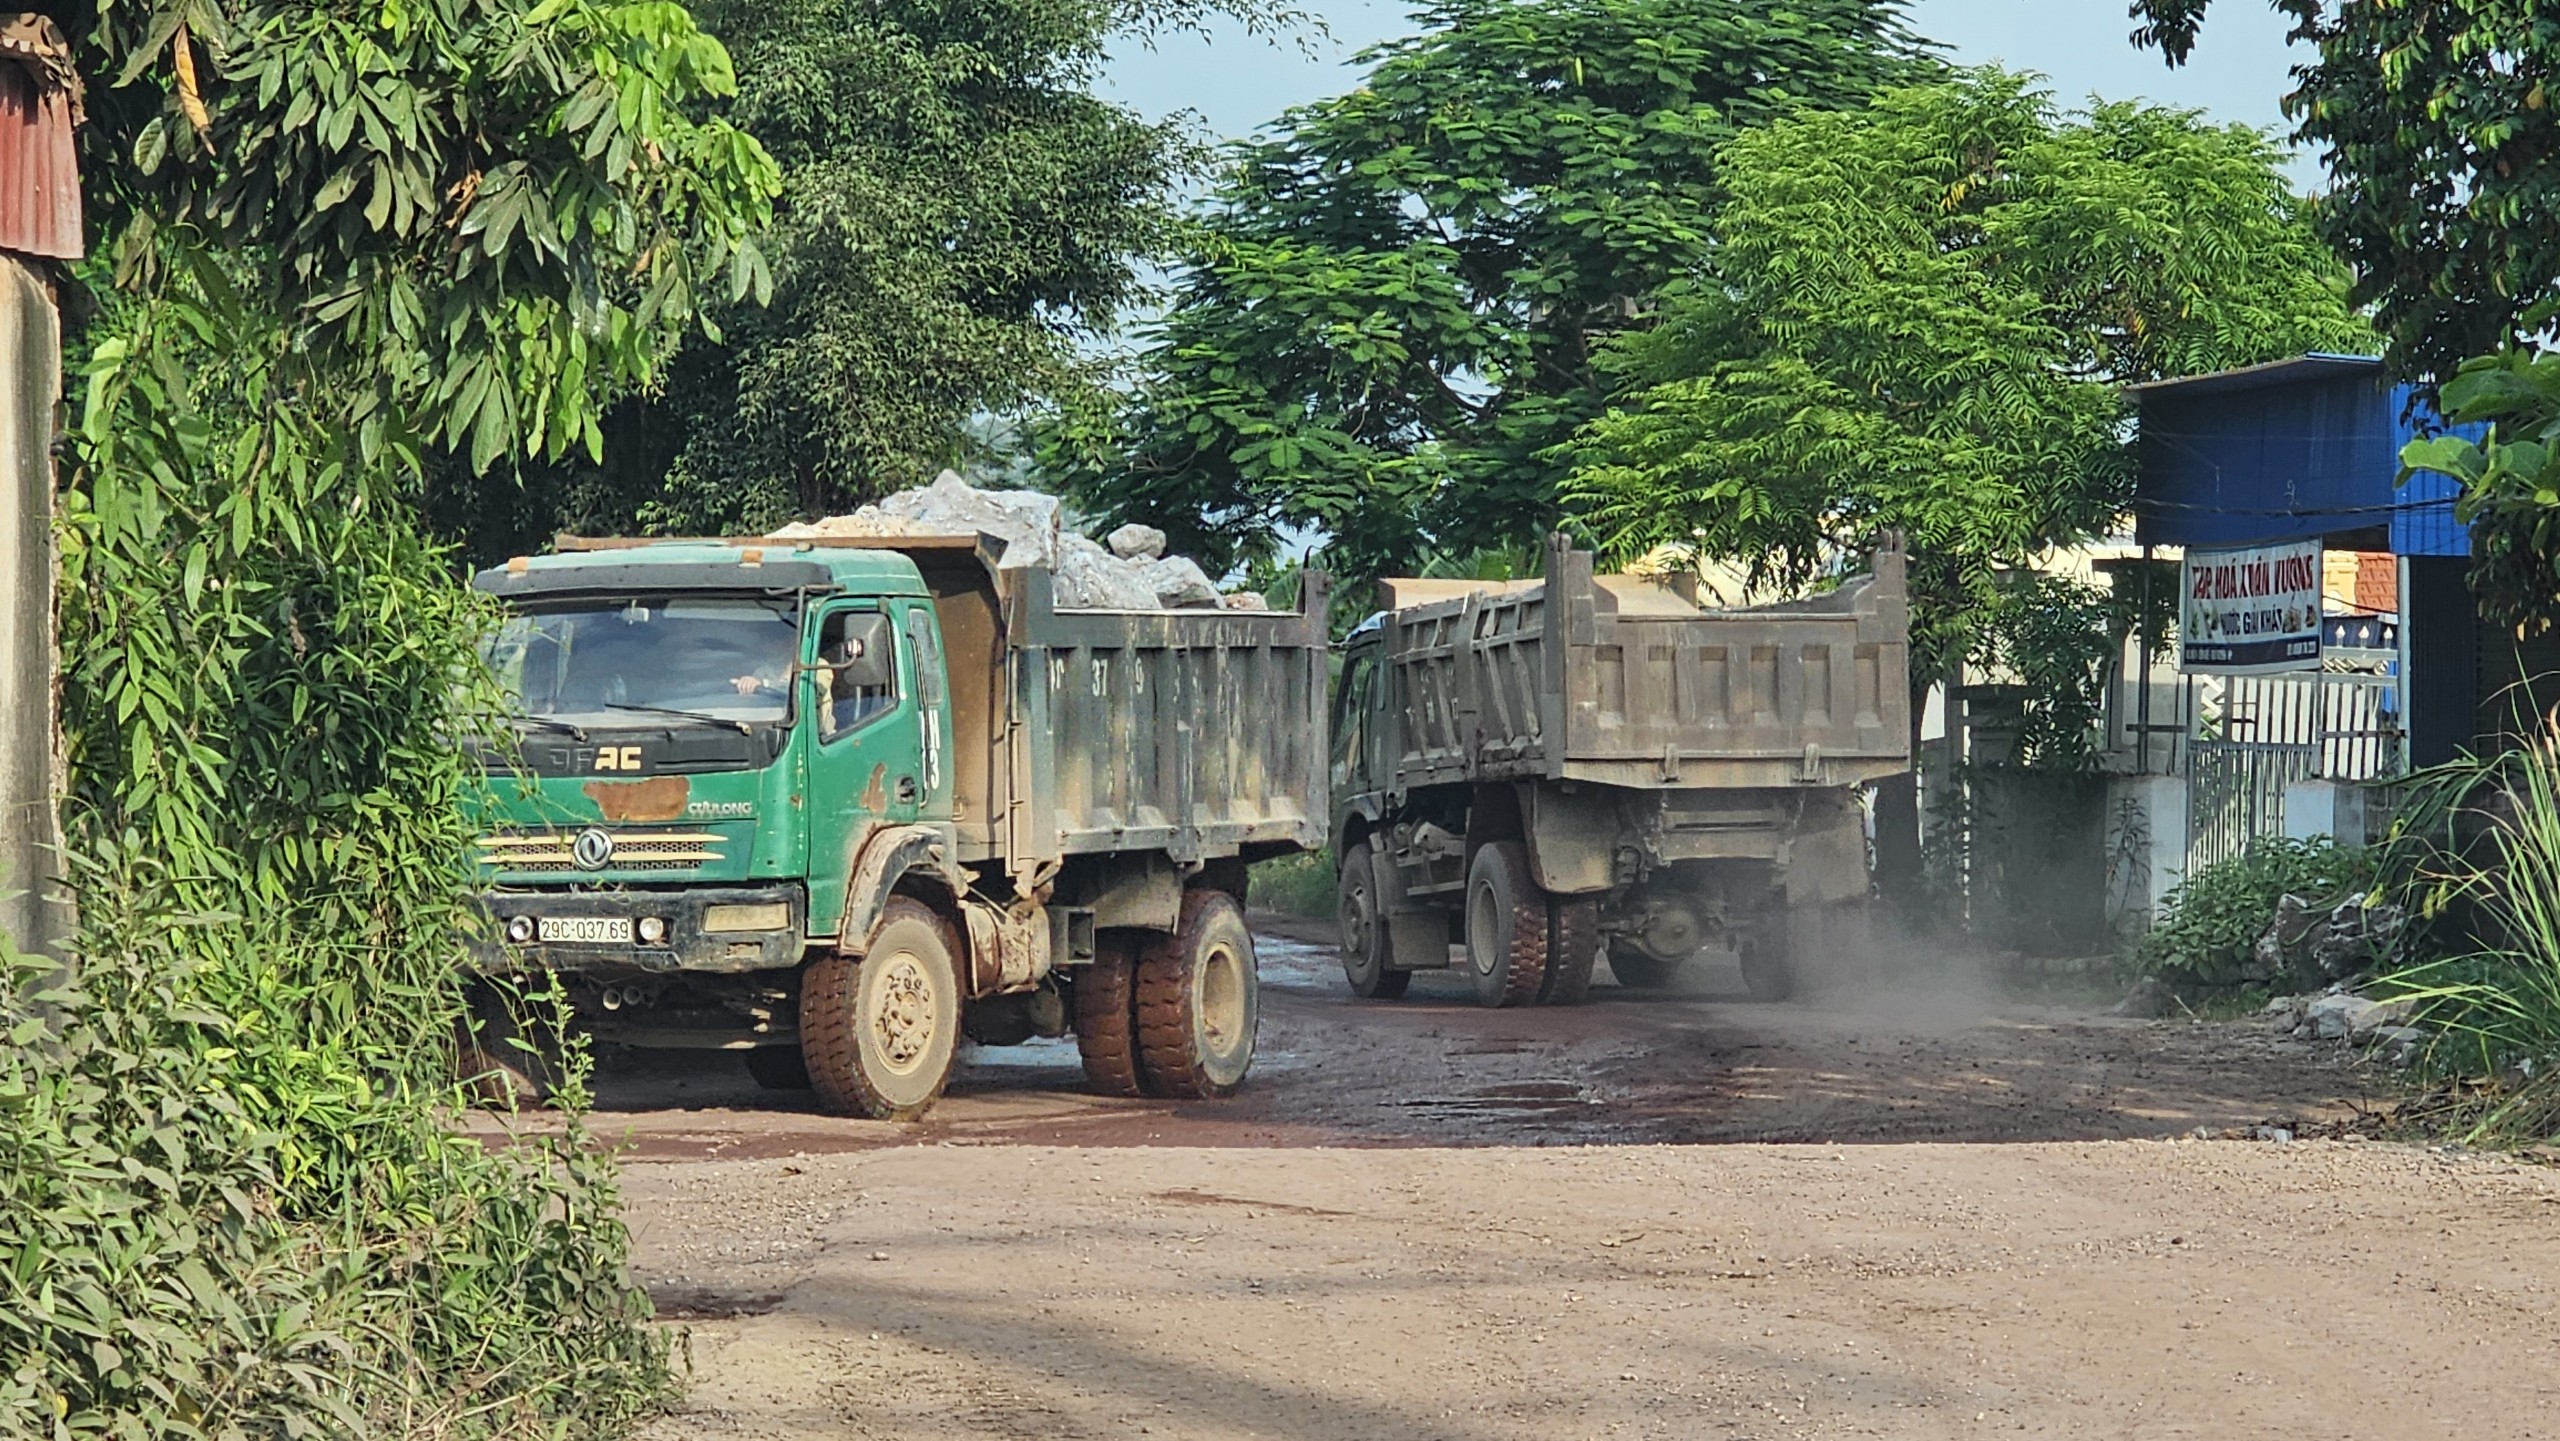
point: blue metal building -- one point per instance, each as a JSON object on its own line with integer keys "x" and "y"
{"x": 2311, "y": 447}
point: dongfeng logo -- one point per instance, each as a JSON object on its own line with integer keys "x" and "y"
{"x": 592, "y": 850}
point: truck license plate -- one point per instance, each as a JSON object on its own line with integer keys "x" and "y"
{"x": 589, "y": 930}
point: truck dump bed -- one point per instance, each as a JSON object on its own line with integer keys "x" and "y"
{"x": 1619, "y": 681}
{"x": 1196, "y": 733}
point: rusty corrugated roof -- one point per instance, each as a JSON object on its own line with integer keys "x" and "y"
{"x": 39, "y": 109}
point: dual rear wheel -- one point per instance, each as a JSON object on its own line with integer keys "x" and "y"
{"x": 1524, "y": 945}
{"x": 1173, "y": 1015}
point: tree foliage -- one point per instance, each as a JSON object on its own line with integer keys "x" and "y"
{"x": 960, "y": 214}
{"x": 2438, "y": 130}
{"x": 1392, "y": 311}
{"x": 337, "y": 242}
{"x": 2510, "y": 480}
{"x": 1916, "y": 317}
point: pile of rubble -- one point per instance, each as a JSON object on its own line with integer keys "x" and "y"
{"x": 1128, "y": 572}
{"x": 2313, "y": 948}
{"x": 2339, "y": 1014}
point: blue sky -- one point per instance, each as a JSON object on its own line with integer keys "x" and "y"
{"x": 1234, "y": 83}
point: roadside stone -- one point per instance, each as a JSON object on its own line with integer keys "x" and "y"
{"x": 1136, "y": 542}
{"x": 2149, "y": 1000}
{"x": 2336, "y": 1018}
{"x": 2400, "y": 1045}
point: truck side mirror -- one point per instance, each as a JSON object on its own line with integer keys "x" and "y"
{"x": 855, "y": 646}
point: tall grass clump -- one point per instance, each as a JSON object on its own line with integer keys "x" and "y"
{"x": 2483, "y": 856}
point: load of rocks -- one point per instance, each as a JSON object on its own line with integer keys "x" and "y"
{"x": 1128, "y": 572}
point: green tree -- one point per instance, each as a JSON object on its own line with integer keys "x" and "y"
{"x": 333, "y": 241}
{"x": 1392, "y": 311}
{"x": 2510, "y": 479}
{"x": 960, "y": 216}
{"x": 2437, "y": 129}
{"x": 1916, "y": 318}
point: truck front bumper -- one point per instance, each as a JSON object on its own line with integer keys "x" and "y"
{"x": 706, "y": 928}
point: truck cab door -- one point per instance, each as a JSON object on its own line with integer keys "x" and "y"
{"x": 867, "y": 767}
{"x": 1354, "y": 727}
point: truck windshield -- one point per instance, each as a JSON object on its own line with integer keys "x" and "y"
{"x": 722, "y": 659}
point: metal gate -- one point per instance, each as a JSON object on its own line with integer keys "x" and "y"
{"x": 2257, "y": 735}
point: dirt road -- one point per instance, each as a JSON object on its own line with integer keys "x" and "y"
{"x": 1944, "y": 1215}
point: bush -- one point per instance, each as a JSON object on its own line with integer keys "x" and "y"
{"x": 2495, "y": 1007}
{"x": 2216, "y": 916}
{"x": 1299, "y": 885}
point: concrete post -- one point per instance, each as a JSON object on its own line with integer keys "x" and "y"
{"x": 32, "y": 913}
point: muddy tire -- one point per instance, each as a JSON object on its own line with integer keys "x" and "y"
{"x": 1367, "y": 948}
{"x": 1573, "y": 948}
{"x": 880, "y": 1032}
{"x": 1768, "y": 961}
{"x": 779, "y": 1068}
{"x": 1198, "y": 1000}
{"x": 1107, "y": 1020}
{"x": 1639, "y": 972}
{"x": 502, "y": 1062}
{"x": 1506, "y": 926}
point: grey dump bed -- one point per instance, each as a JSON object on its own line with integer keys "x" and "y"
{"x": 1622, "y": 682}
{"x": 1196, "y": 733}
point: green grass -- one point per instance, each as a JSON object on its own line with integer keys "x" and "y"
{"x": 1299, "y": 885}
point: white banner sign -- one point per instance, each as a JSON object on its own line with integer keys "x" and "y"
{"x": 2251, "y": 610}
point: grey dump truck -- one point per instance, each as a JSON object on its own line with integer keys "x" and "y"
{"x": 1542, "y": 770}
{"x": 835, "y": 802}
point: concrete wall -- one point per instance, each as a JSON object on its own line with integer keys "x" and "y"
{"x": 30, "y": 389}
{"x": 2146, "y": 848}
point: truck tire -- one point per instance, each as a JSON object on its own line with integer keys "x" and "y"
{"x": 1198, "y": 1000}
{"x": 1639, "y": 972}
{"x": 1573, "y": 947}
{"x": 1107, "y": 1019}
{"x": 1367, "y": 948}
{"x": 502, "y": 1063}
{"x": 1506, "y": 926}
{"x": 880, "y": 1032}
{"x": 1768, "y": 963}
{"x": 779, "y": 1068}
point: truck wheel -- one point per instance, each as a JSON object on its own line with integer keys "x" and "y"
{"x": 1198, "y": 1000}
{"x": 1768, "y": 969}
{"x": 1366, "y": 946}
{"x": 779, "y": 1068}
{"x": 1639, "y": 972}
{"x": 1506, "y": 926}
{"x": 879, "y": 1033}
{"x": 1573, "y": 947}
{"x": 502, "y": 1062}
{"x": 1107, "y": 1019}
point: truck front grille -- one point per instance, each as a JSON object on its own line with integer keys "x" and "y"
{"x": 632, "y": 850}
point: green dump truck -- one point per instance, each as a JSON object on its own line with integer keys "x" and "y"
{"x": 1542, "y": 770}
{"x": 839, "y": 803}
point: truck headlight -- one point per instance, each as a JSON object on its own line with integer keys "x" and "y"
{"x": 652, "y": 930}
{"x": 520, "y": 930}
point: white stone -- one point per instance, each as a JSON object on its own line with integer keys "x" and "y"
{"x": 1243, "y": 600}
{"x": 1180, "y": 582}
{"x": 1136, "y": 542}
{"x": 2335, "y": 1018}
